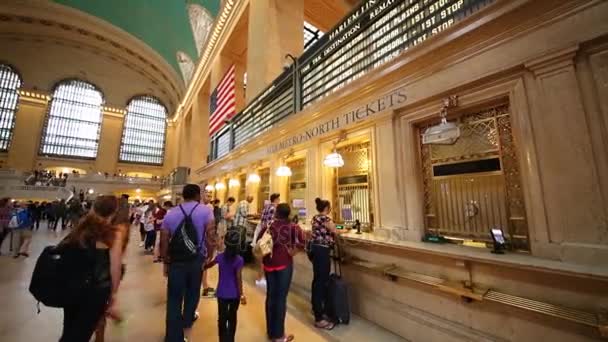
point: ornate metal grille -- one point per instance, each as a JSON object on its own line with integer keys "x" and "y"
{"x": 143, "y": 135}
{"x": 353, "y": 195}
{"x": 297, "y": 181}
{"x": 264, "y": 188}
{"x": 73, "y": 122}
{"x": 242, "y": 186}
{"x": 475, "y": 184}
{"x": 10, "y": 82}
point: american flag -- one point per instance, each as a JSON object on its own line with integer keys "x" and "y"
{"x": 222, "y": 104}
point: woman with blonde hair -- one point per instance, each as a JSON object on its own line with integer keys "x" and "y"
{"x": 100, "y": 243}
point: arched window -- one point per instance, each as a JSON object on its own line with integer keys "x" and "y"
{"x": 143, "y": 135}
{"x": 73, "y": 123}
{"x": 10, "y": 82}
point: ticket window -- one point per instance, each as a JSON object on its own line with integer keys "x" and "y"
{"x": 352, "y": 186}
{"x": 242, "y": 187}
{"x": 474, "y": 185}
{"x": 296, "y": 194}
{"x": 264, "y": 189}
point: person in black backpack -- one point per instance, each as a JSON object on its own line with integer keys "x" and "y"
{"x": 97, "y": 247}
{"x": 186, "y": 241}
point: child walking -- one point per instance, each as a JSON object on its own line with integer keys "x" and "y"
{"x": 229, "y": 288}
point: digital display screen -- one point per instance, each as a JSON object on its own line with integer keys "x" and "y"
{"x": 498, "y": 236}
{"x": 347, "y": 214}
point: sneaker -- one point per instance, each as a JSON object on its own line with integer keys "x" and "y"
{"x": 196, "y": 316}
{"x": 261, "y": 282}
{"x": 141, "y": 244}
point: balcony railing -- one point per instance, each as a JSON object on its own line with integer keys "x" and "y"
{"x": 371, "y": 35}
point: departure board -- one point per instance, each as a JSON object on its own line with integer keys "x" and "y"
{"x": 374, "y": 34}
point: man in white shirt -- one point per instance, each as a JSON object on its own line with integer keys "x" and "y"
{"x": 142, "y": 221}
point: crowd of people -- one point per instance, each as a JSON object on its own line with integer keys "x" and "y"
{"x": 46, "y": 178}
{"x": 188, "y": 239}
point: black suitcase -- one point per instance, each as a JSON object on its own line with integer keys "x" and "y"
{"x": 338, "y": 292}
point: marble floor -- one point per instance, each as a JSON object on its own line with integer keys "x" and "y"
{"x": 142, "y": 298}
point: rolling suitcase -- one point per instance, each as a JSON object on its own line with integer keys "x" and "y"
{"x": 338, "y": 292}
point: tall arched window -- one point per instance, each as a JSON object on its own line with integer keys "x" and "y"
{"x": 143, "y": 136}
{"x": 73, "y": 123}
{"x": 10, "y": 82}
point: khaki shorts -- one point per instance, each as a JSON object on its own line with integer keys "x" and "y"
{"x": 26, "y": 233}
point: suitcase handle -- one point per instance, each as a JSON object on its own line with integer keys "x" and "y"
{"x": 337, "y": 258}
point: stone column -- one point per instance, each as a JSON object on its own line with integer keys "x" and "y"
{"x": 275, "y": 29}
{"x": 108, "y": 152}
{"x": 29, "y": 119}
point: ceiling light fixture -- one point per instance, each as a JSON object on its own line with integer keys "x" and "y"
{"x": 284, "y": 170}
{"x": 233, "y": 183}
{"x": 334, "y": 159}
{"x": 219, "y": 186}
{"x": 446, "y": 133}
{"x": 253, "y": 178}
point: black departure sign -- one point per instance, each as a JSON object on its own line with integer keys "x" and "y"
{"x": 371, "y": 35}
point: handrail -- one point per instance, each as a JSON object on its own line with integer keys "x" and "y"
{"x": 470, "y": 292}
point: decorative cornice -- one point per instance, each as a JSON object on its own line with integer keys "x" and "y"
{"x": 113, "y": 111}
{"x": 34, "y": 96}
{"x": 552, "y": 61}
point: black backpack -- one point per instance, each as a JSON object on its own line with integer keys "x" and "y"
{"x": 63, "y": 275}
{"x": 183, "y": 245}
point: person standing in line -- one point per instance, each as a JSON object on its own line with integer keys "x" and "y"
{"x": 97, "y": 233}
{"x": 240, "y": 220}
{"x": 229, "y": 288}
{"x": 184, "y": 276}
{"x": 5, "y": 218}
{"x": 323, "y": 239}
{"x": 265, "y": 220}
{"x": 288, "y": 239}
{"x": 227, "y": 219}
{"x": 141, "y": 214}
{"x": 208, "y": 291}
{"x": 159, "y": 216}
{"x": 149, "y": 221}
{"x": 22, "y": 234}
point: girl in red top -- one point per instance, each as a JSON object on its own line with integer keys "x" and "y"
{"x": 287, "y": 240}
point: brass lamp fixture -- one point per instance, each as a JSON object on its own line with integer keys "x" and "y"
{"x": 334, "y": 159}
{"x": 284, "y": 170}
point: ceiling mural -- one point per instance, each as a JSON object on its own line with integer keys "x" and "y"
{"x": 165, "y": 26}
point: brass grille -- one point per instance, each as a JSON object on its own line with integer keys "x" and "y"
{"x": 467, "y": 204}
{"x": 297, "y": 181}
{"x": 353, "y": 185}
{"x": 242, "y": 186}
{"x": 264, "y": 188}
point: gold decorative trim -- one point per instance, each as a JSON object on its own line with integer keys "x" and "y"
{"x": 113, "y": 110}
{"x": 34, "y": 96}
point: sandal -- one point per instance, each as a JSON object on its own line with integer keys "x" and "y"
{"x": 287, "y": 338}
{"x": 325, "y": 325}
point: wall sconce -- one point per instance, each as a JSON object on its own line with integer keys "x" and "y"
{"x": 334, "y": 159}
{"x": 219, "y": 186}
{"x": 284, "y": 170}
{"x": 209, "y": 188}
{"x": 253, "y": 178}
{"x": 233, "y": 183}
{"x": 91, "y": 191}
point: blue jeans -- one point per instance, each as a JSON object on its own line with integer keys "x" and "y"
{"x": 183, "y": 291}
{"x": 277, "y": 288}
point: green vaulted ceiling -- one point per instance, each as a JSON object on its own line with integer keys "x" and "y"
{"x": 162, "y": 24}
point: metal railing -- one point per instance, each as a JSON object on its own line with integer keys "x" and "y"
{"x": 371, "y": 35}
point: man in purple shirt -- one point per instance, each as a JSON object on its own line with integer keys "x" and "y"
{"x": 184, "y": 277}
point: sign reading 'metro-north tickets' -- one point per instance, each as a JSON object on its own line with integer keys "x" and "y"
{"x": 374, "y": 34}
{"x": 379, "y": 105}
